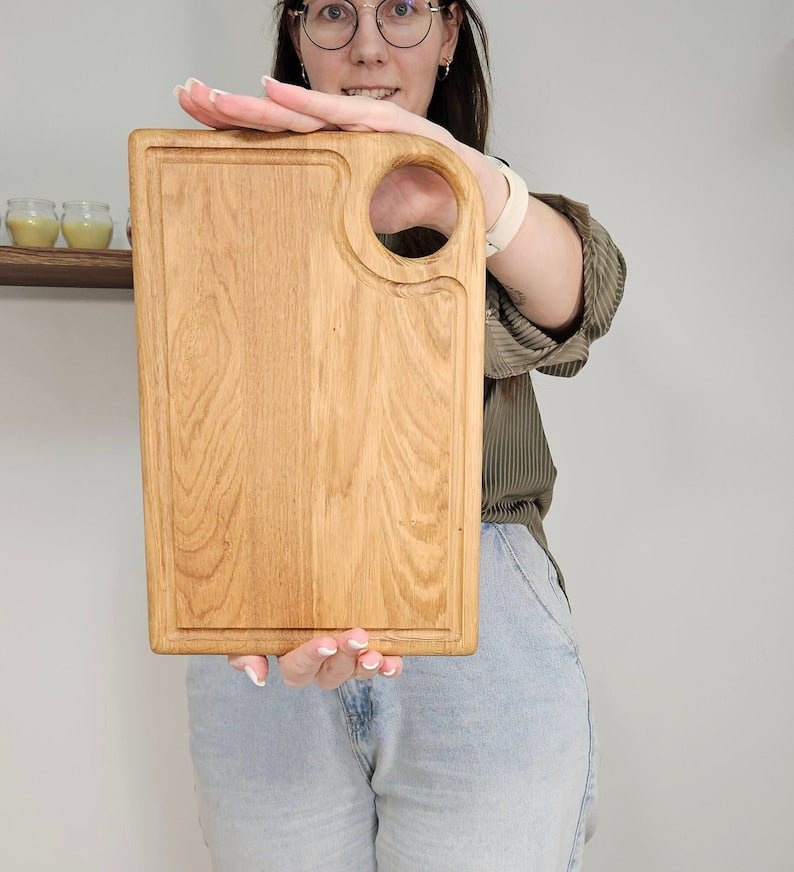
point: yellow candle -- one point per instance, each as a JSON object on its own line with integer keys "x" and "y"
{"x": 33, "y": 230}
{"x": 87, "y": 233}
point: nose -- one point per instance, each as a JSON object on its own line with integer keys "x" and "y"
{"x": 368, "y": 46}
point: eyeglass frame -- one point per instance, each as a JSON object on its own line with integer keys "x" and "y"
{"x": 374, "y": 7}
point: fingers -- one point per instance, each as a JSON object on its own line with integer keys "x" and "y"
{"x": 288, "y": 107}
{"x": 329, "y": 662}
{"x": 262, "y": 113}
{"x": 349, "y": 113}
{"x": 391, "y": 667}
{"x": 256, "y": 668}
{"x": 197, "y": 108}
{"x": 224, "y": 111}
{"x": 304, "y": 665}
{"x": 326, "y": 662}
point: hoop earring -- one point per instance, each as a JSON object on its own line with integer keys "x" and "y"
{"x": 441, "y": 77}
{"x": 304, "y": 76}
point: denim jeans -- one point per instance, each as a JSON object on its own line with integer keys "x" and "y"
{"x": 470, "y": 764}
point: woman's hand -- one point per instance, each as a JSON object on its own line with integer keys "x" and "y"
{"x": 325, "y": 661}
{"x": 409, "y": 197}
{"x": 299, "y": 110}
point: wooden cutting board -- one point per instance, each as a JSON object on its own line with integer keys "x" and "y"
{"x": 311, "y": 404}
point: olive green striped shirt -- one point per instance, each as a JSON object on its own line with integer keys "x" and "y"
{"x": 518, "y": 471}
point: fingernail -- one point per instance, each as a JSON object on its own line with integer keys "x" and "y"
{"x": 190, "y": 82}
{"x": 356, "y": 646}
{"x": 249, "y": 671}
{"x": 389, "y": 673}
{"x": 214, "y": 93}
{"x": 178, "y": 90}
{"x": 374, "y": 666}
{"x": 327, "y": 652}
{"x": 266, "y": 80}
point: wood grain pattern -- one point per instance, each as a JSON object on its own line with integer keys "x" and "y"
{"x": 311, "y": 404}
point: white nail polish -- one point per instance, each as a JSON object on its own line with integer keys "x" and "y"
{"x": 249, "y": 671}
{"x": 178, "y": 90}
{"x": 190, "y": 82}
{"x": 370, "y": 668}
{"x": 214, "y": 93}
{"x": 356, "y": 646}
{"x": 389, "y": 673}
{"x": 327, "y": 652}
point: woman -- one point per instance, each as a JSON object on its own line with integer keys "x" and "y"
{"x": 474, "y": 763}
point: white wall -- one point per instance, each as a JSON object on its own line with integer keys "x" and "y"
{"x": 672, "y": 511}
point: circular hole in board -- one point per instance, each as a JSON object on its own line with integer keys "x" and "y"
{"x": 390, "y": 210}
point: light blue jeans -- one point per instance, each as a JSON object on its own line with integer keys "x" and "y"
{"x": 471, "y": 764}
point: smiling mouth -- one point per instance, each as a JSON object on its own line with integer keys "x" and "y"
{"x": 373, "y": 93}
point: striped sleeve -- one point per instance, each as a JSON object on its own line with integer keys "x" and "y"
{"x": 514, "y": 345}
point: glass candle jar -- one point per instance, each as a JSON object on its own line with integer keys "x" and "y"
{"x": 32, "y": 222}
{"x": 86, "y": 224}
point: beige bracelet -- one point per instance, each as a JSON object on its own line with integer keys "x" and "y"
{"x": 503, "y": 230}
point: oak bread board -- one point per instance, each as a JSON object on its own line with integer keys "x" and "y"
{"x": 310, "y": 403}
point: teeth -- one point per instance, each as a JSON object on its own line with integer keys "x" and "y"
{"x": 375, "y": 93}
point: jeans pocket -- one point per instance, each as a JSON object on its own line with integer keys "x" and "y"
{"x": 539, "y": 575}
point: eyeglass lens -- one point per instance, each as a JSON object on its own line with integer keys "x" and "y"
{"x": 332, "y": 25}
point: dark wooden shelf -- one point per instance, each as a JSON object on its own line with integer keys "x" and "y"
{"x": 65, "y": 267}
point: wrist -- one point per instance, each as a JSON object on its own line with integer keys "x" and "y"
{"x": 504, "y": 229}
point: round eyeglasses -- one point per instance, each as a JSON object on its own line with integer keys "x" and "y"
{"x": 332, "y": 25}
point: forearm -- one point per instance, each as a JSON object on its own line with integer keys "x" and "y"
{"x": 541, "y": 268}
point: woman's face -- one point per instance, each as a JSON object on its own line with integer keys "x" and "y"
{"x": 370, "y": 67}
